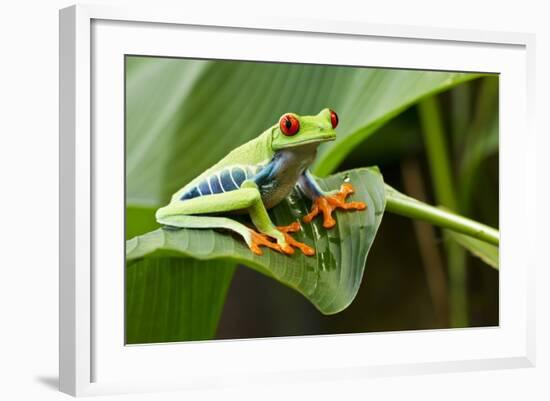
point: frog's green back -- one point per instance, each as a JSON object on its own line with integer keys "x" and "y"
{"x": 254, "y": 152}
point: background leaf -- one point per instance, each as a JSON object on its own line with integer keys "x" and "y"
{"x": 480, "y": 141}
{"x": 174, "y": 299}
{"x": 330, "y": 279}
{"x": 178, "y": 106}
{"x": 486, "y": 252}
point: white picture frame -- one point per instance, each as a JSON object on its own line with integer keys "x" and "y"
{"x": 92, "y": 352}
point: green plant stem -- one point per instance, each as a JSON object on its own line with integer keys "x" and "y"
{"x": 404, "y": 205}
{"x": 437, "y": 152}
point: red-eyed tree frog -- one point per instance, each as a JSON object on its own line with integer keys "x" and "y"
{"x": 255, "y": 177}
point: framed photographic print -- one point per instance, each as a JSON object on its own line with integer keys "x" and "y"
{"x": 340, "y": 196}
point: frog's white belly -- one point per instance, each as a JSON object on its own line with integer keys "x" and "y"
{"x": 292, "y": 164}
{"x": 278, "y": 188}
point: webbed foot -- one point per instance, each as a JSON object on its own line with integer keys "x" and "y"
{"x": 286, "y": 247}
{"x": 292, "y": 228}
{"x": 327, "y": 204}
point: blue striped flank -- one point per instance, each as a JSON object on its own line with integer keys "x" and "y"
{"x": 239, "y": 175}
{"x": 215, "y": 185}
{"x": 204, "y": 188}
{"x": 192, "y": 193}
{"x": 226, "y": 180}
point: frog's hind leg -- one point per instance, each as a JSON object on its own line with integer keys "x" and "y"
{"x": 252, "y": 238}
{"x": 190, "y": 214}
{"x": 183, "y": 221}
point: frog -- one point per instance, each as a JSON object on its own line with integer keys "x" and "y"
{"x": 257, "y": 176}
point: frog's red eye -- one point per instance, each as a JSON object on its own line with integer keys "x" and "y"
{"x": 333, "y": 119}
{"x": 289, "y": 125}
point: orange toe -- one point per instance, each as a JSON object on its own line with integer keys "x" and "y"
{"x": 262, "y": 240}
{"x": 326, "y": 205}
{"x": 258, "y": 240}
{"x": 292, "y": 228}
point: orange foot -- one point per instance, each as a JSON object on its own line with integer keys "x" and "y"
{"x": 259, "y": 239}
{"x": 327, "y": 204}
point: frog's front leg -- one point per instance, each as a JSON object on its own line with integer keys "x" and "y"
{"x": 326, "y": 202}
{"x": 247, "y": 197}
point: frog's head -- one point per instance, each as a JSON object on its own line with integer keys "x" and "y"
{"x": 294, "y": 130}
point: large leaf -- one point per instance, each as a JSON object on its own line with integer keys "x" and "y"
{"x": 330, "y": 279}
{"x": 174, "y": 299}
{"x": 382, "y": 96}
{"x": 178, "y": 109}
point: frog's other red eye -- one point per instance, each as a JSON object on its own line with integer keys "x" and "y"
{"x": 289, "y": 125}
{"x": 333, "y": 119}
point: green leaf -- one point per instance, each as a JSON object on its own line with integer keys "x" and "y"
{"x": 381, "y": 96}
{"x": 399, "y": 139}
{"x": 174, "y": 298}
{"x": 481, "y": 140}
{"x": 178, "y": 109}
{"x": 486, "y": 252}
{"x": 330, "y": 279}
